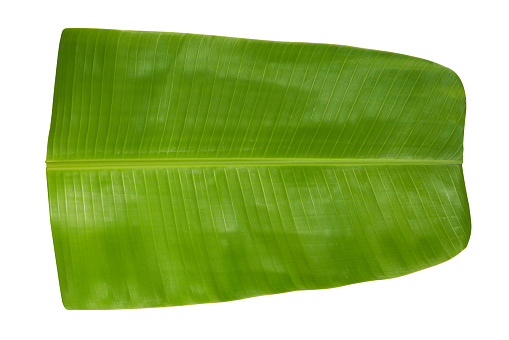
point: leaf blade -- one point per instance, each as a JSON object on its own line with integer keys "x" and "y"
{"x": 189, "y": 169}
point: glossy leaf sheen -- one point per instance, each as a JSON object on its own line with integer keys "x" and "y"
{"x": 188, "y": 169}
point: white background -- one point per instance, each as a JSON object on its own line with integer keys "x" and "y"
{"x": 464, "y": 298}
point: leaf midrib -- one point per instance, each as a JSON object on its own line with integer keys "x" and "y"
{"x": 231, "y": 162}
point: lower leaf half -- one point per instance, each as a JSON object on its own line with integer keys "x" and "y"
{"x": 149, "y": 237}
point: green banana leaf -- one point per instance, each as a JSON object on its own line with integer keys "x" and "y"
{"x": 187, "y": 169}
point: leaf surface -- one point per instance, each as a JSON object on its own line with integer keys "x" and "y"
{"x": 188, "y": 169}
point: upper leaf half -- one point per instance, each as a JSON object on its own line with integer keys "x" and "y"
{"x": 131, "y": 95}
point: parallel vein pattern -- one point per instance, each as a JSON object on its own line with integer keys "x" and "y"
{"x": 153, "y": 95}
{"x": 142, "y": 238}
{"x": 189, "y": 169}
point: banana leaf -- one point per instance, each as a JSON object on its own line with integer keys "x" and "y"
{"x": 187, "y": 169}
